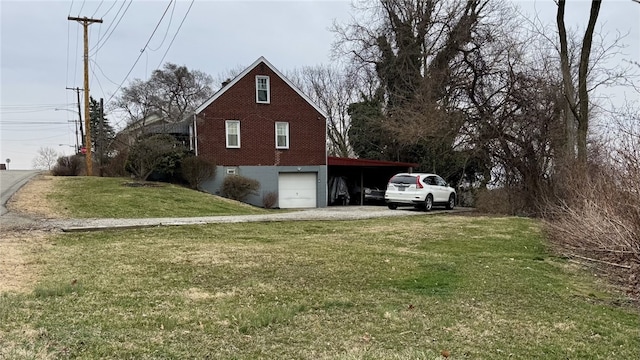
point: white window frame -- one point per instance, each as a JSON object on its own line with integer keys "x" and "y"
{"x": 268, "y": 89}
{"x": 231, "y": 170}
{"x": 286, "y": 128}
{"x": 227, "y": 133}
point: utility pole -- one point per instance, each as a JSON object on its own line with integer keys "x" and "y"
{"x": 100, "y": 142}
{"x": 85, "y": 24}
{"x": 77, "y": 90}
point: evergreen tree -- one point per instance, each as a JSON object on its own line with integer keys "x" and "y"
{"x": 102, "y": 133}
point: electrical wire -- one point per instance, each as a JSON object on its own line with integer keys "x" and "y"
{"x": 97, "y": 79}
{"x": 142, "y": 52}
{"x": 81, "y": 7}
{"x": 109, "y": 10}
{"x": 168, "y": 27}
{"x": 98, "y": 8}
{"x": 100, "y": 43}
{"x": 176, "y": 34}
{"x": 102, "y": 72}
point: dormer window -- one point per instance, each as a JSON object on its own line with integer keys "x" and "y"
{"x": 263, "y": 95}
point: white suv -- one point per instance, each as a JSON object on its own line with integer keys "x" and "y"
{"x": 419, "y": 190}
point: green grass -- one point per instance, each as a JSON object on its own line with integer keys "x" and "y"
{"x": 396, "y": 288}
{"x": 95, "y": 197}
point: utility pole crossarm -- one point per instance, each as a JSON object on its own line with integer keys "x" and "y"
{"x": 85, "y": 21}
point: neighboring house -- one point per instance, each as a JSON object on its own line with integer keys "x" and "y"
{"x": 261, "y": 126}
{"x": 155, "y": 124}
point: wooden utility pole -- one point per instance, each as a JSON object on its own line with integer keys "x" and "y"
{"x": 87, "y": 118}
{"x": 77, "y": 90}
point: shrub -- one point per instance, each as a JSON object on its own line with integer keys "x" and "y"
{"x": 238, "y": 187}
{"x": 596, "y": 218}
{"x": 158, "y": 154}
{"x": 504, "y": 201}
{"x": 269, "y": 199}
{"x": 116, "y": 165}
{"x": 195, "y": 170}
{"x": 68, "y": 166}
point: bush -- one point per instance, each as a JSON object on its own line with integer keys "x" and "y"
{"x": 503, "y": 201}
{"x": 69, "y": 166}
{"x": 159, "y": 155}
{"x": 238, "y": 187}
{"x": 596, "y": 216}
{"x": 196, "y": 170}
{"x": 269, "y": 199}
{"x": 116, "y": 165}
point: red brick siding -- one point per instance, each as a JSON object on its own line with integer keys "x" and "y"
{"x": 307, "y": 145}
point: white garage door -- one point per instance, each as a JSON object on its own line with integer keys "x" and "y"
{"x": 297, "y": 190}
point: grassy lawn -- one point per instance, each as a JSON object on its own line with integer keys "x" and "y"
{"x": 396, "y": 288}
{"x": 95, "y": 197}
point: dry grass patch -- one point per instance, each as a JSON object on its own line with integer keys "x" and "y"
{"x": 19, "y": 265}
{"x": 319, "y": 290}
{"x": 33, "y": 199}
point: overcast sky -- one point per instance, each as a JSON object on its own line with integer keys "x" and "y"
{"x": 41, "y": 51}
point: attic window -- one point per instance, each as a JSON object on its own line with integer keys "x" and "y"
{"x": 263, "y": 94}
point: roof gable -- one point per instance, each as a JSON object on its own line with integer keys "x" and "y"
{"x": 249, "y": 69}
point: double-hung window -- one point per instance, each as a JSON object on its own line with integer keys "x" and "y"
{"x": 233, "y": 133}
{"x": 263, "y": 93}
{"x": 282, "y": 135}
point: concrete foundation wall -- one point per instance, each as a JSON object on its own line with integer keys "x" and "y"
{"x": 268, "y": 178}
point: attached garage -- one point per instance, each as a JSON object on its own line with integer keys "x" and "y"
{"x": 297, "y": 190}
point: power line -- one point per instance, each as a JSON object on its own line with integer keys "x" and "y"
{"x": 176, "y": 34}
{"x": 102, "y": 72}
{"x": 115, "y": 24}
{"x": 141, "y": 52}
{"x": 81, "y": 7}
{"x": 168, "y": 27}
{"x": 109, "y": 10}
{"x": 98, "y": 8}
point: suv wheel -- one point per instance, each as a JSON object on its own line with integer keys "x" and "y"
{"x": 452, "y": 202}
{"x": 392, "y": 206}
{"x": 428, "y": 203}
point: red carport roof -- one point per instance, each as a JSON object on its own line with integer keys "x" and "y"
{"x": 338, "y": 161}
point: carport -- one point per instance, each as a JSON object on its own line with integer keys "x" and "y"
{"x": 365, "y": 173}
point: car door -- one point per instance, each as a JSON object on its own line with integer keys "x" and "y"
{"x": 442, "y": 189}
{"x": 431, "y": 185}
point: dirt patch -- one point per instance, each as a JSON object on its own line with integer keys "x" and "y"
{"x": 19, "y": 268}
{"x": 141, "y": 184}
{"x": 32, "y": 200}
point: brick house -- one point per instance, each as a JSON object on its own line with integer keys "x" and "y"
{"x": 261, "y": 126}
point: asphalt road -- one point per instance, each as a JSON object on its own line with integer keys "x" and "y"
{"x": 10, "y": 182}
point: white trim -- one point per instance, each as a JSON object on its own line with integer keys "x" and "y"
{"x": 226, "y": 133}
{"x": 231, "y": 170}
{"x": 245, "y": 72}
{"x": 268, "y": 89}
{"x": 286, "y": 146}
{"x": 195, "y": 133}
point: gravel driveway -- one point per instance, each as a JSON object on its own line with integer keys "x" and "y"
{"x": 329, "y": 213}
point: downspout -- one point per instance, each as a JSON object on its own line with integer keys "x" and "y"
{"x": 326, "y": 163}
{"x": 195, "y": 134}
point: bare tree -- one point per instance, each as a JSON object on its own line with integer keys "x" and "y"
{"x": 333, "y": 89}
{"x": 45, "y": 159}
{"x": 580, "y": 110}
{"x": 171, "y": 92}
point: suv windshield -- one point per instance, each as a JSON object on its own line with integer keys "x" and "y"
{"x": 403, "y": 179}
